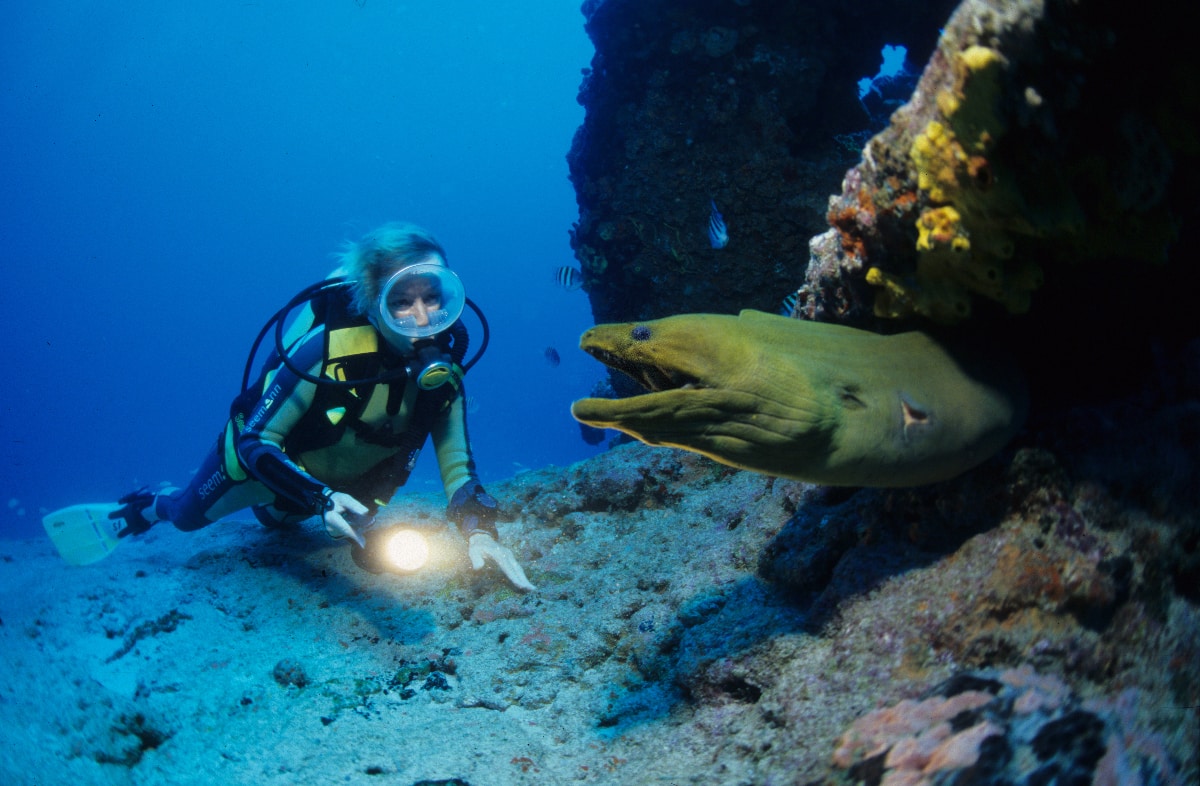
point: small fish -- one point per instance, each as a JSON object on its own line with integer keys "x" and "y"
{"x": 552, "y": 356}
{"x": 788, "y": 307}
{"x": 568, "y": 278}
{"x": 718, "y": 233}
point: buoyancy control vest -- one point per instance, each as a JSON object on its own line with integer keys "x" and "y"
{"x": 353, "y": 361}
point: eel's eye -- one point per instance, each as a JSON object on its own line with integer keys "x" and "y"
{"x": 640, "y": 333}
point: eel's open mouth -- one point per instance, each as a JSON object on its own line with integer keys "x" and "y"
{"x": 647, "y": 375}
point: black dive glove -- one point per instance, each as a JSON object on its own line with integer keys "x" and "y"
{"x": 474, "y": 510}
{"x": 132, "y": 511}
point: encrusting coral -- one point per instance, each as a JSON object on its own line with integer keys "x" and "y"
{"x": 1004, "y": 726}
{"x": 963, "y": 233}
{"x": 1005, "y": 172}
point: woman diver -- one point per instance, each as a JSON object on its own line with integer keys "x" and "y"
{"x": 332, "y": 428}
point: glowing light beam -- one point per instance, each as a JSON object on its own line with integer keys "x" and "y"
{"x": 406, "y": 550}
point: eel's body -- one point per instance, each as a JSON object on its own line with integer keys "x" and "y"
{"x": 822, "y": 403}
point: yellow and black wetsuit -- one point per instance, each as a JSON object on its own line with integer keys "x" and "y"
{"x": 290, "y": 441}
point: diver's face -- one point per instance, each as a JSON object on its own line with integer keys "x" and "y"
{"x": 416, "y": 299}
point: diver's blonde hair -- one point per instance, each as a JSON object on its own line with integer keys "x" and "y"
{"x": 381, "y": 252}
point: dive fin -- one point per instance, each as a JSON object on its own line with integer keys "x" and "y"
{"x": 84, "y": 534}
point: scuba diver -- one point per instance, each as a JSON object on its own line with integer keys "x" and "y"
{"x": 371, "y": 366}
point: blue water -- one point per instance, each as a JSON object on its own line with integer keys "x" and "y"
{"x": 173, "y": 172}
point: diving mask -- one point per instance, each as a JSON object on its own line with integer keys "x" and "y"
{"x": 421, "y": 300}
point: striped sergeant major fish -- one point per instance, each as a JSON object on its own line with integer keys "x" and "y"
{"x": 718, "y": 233}
{"x": 568, "y": 278}
{"x": 787, "y": 308}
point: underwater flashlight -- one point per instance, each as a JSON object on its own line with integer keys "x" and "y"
{"x": 406, "y": 550}
{"x": 394, "y": 549}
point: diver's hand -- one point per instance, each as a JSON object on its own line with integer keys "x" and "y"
{"x": 482, "y": 546}
{"x": 335, "y": 518}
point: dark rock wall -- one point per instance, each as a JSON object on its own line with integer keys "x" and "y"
{"x": 1037, "y": 188}
{"x": 748, "y": 103}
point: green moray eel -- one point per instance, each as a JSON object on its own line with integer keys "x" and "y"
{"x": 822, "y": 403}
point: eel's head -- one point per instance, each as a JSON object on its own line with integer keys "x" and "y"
{"x": 710, "y": 388}
{"x": 663, "y": 355}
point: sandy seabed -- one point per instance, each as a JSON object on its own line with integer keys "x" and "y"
{"x": 653, "y": 651}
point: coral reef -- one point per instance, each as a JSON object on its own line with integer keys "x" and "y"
{"x": 1002, "y": 727}
{"x": 1035, "y": 172}
{"x": 1033, "y": 157}
{"x": 748, "y": 105}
